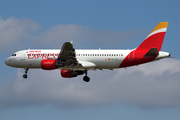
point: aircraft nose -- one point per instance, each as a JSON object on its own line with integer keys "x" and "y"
{"x": 7, "y": 61}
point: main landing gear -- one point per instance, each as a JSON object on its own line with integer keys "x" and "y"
{"x": 78, "y": 72}
{"x": 25, "y": 75}
{"x": 86, "y": 78}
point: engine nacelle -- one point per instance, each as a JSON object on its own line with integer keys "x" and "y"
{"x": 70, "y": 73}
{"x": 51, "y": 64}
{"x": 66, "y": 73}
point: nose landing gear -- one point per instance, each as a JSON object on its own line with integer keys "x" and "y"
{"x": 25, "y": 75}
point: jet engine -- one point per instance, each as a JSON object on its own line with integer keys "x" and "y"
{"x": 49, "y": 64}
{"x": 71, "y": 73}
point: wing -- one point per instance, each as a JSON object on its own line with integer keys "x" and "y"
{"x": 67, "y": 55}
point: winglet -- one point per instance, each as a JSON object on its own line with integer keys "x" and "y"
{"x": 71, "y": 41}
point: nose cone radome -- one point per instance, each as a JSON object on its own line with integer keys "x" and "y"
{"x": 7, "y": 62}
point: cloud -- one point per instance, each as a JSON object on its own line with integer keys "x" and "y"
{"x": 85, "y": 36}
{"x": 25, "y": 33}
{"x": 151, "y": 85}
{"x": 13, "y": 32}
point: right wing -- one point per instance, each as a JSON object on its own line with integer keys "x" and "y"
{"x": 67, "y": 55}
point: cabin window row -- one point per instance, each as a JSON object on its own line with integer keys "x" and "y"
{"x": 99, "y": 54}
{"x": 76, "y": 54}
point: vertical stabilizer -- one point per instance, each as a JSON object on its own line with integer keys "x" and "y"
{"x": 149, "y": 49}
{"x": 155, "y": 38}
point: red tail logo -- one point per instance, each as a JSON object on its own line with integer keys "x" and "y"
{"x": 148, "y": 49}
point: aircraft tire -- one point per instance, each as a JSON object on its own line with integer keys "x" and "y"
{"x": 25, "y": 76}
{"x": 86, "y": 78}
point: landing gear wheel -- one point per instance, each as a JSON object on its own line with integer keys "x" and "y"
{"x": 24, "y": 76}
{"x": 26, "y": 71}
{"x": 86, "y": 78}
{"x": 74, "y": 73}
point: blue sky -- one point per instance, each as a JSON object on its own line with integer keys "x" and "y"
{"x": 149, "y": 91}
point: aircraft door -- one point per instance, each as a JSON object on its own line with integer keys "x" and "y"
{"x": 23, "y": 54}
{"x": 131, "y": 56}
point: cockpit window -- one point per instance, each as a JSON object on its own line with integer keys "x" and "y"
{"x": 14, "y": 55}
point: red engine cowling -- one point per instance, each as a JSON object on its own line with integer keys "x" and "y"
{"x": 70, "y": 73}
{"x": 66, "y": 73}
{"x": 48, "y": 64}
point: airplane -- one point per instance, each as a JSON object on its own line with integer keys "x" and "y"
{"x": 77, "y": 62}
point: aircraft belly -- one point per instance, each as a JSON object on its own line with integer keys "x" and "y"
{"x": 29, "y": 64}
{"x": 103, "y": 63}
{"x": 107, "y": 64}
{"x": 34, "y": 63}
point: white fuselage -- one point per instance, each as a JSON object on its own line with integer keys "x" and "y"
{"x": 89, "y": 59}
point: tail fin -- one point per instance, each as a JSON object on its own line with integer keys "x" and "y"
{"x": 155, "y": 38}
{"x": 149, "y": 49}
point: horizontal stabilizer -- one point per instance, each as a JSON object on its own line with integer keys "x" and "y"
{"x": 152, "y": 52}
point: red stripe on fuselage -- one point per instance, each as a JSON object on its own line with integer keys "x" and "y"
{"x": 135, "y": 57}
